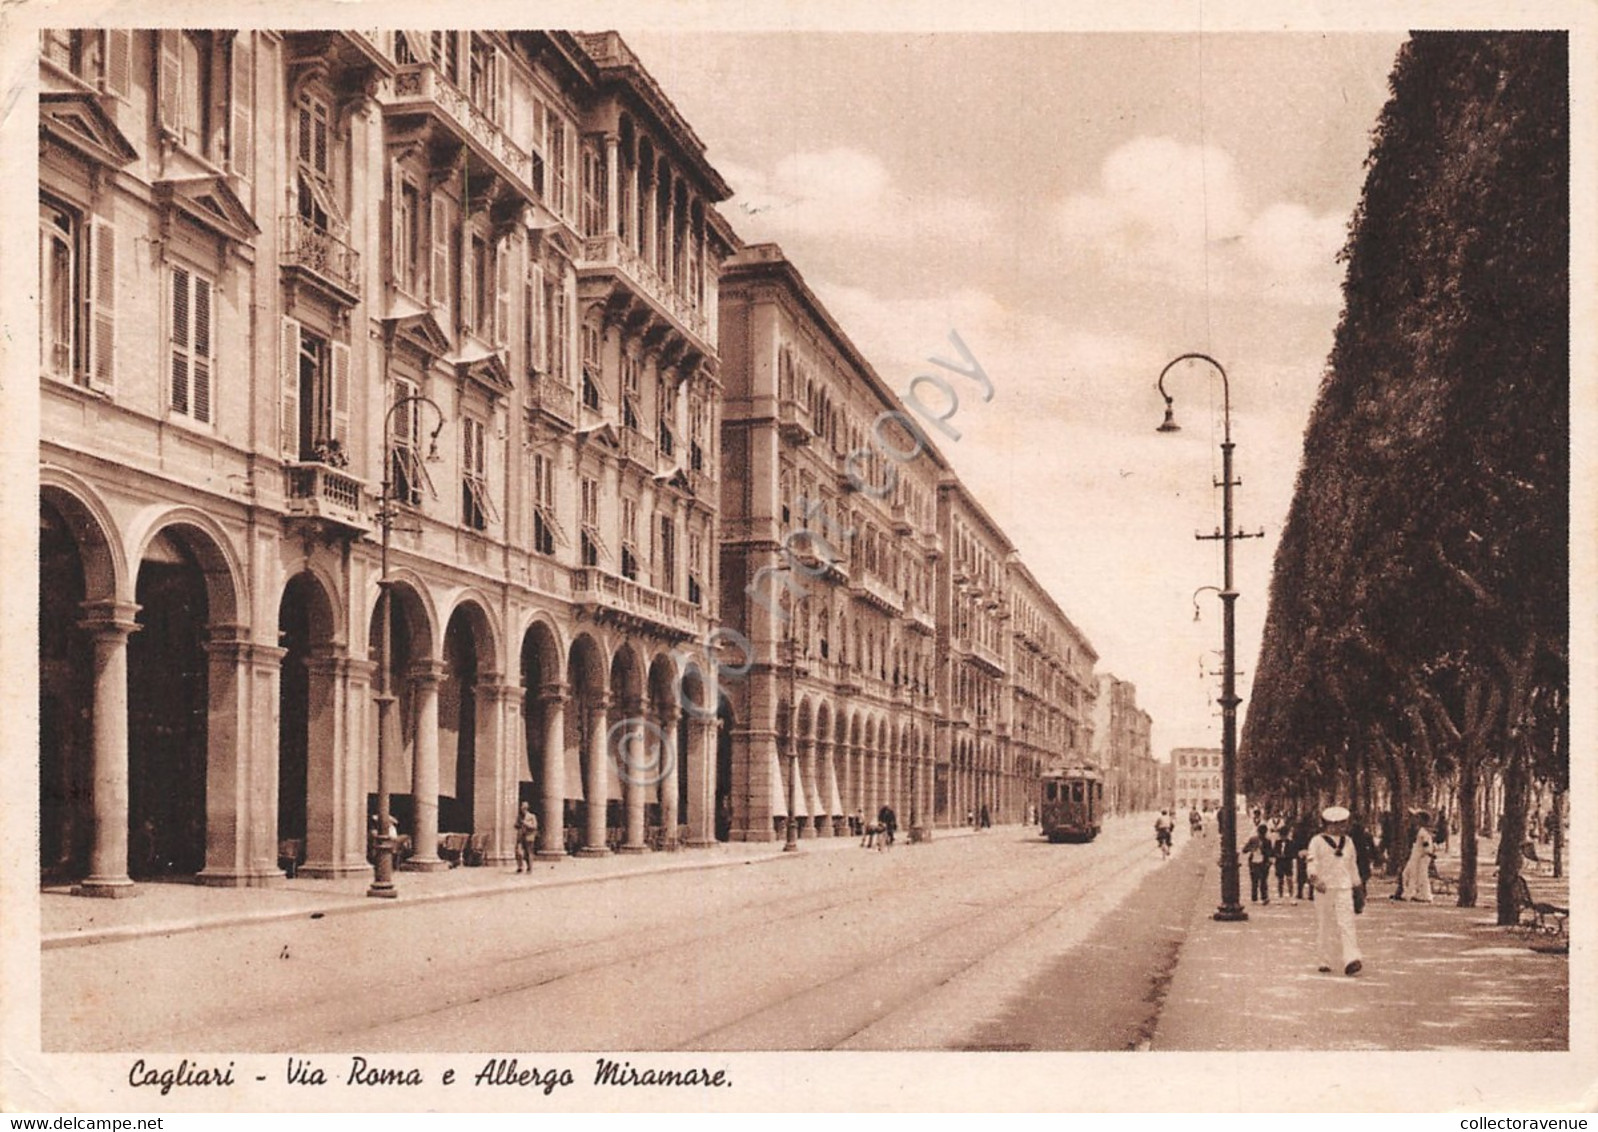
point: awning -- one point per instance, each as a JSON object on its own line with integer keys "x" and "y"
{"x": 779, "y": 806}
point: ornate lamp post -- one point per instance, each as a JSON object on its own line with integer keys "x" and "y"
{"x": 1231, "y": 906}
{"x": 382, "y": 885}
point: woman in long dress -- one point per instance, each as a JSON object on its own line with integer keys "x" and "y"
{"x": 1418, "y": 873}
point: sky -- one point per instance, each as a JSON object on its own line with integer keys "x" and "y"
{"x": 1081, "y": 208}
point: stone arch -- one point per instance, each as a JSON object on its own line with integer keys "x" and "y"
{"x": 89, "y": 521}
{"x": 227, "y": 595}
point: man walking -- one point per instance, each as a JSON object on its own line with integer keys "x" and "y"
{"x": 1334, "y": 874}
{"x": 526, "y": 837}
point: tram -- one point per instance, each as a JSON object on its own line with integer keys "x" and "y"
{"x": 1071, "y": 804}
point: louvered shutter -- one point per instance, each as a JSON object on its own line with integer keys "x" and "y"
{"x": 440, "y": 233}
{"x": 468, "y": 282}
{"x": 201, "y": 360}
{"x": 241, "y": 147}
{"x": 341, "y": 395}
{"x": 180, "y": 340}
{"x": 102, "y": 306}
{"x": 289, "y": 373}
{"x": 396, "y": 225}
{"x": 502, "y": 292}
{"x": 119, "y": 61}
{"x": 169, "y": 78}
{"x": 501, "y": 89}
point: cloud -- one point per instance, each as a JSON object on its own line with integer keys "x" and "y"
{"x": 1179, "y": 214}
{"x": 844, "y": 193}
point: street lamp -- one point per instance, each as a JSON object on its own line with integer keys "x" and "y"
{"x": 1231, "y": 906}
{"x": 790, "y": 659}
{"x": 382, "y": 885}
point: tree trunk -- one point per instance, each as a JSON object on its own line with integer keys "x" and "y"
{"x": 1559, "y": 831}
{"x": 1467, "y": 822}
{"x": 1398, "y": 851}
{"x": 1512, "y": 830}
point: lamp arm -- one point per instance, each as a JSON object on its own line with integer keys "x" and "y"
{"x": 1226, "y": 387}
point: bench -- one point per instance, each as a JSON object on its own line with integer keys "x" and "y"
{"x": 1539, "y": 916}
{"x": 1442, "y": 884}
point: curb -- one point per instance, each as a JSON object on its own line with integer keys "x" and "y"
{"x": 351, "y": 905}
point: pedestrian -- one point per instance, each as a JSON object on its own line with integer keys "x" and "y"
{"x": 1301, "y": 840}
{"x": 526, "y": 837}
{"x": 889, "y": 822}
{"x": 1163, "y": 825}
{"x": 1418, "y": 871}
{"x": 1334, "y": 873}
{"x": 1286, "y": 859}
{"x": 971, "y": 818}
{"x": 1440, "y": 834}
{"x": 987, "y": 818}
{"x": 859, "y": 820}
{"x": 1257, "y": 851}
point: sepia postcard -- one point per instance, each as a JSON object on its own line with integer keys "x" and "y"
{"x": 776, "y": 557}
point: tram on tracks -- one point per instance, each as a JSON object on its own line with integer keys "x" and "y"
{"x": 1071, "y": 803}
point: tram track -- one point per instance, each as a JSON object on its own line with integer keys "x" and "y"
{"x": 493, "y": 978}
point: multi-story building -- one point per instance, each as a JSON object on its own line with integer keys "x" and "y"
{"x": 287, "y": 277}
{"x": 1196, "y": 777}
{"x": 382, "y": 446}
{"x": 1122, "y": 736}
{"x": 1051, "y": 694}
{"x": 829, "y": 553}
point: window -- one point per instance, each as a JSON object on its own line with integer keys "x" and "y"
{"x": 546, "y": 530}
{"x": 629, "y": 387}
{"x": 407, "y": 470}
{"x": 316, "y": 397}
{"x": 446, "y": 54}
{"x": 590, "y": 520}
{"x": 666, "y": 400}
{"x": 77, "y": 307}
{"x": 192, "y": 345}
{"x": 476, "y": 507}
{"x": 593, "y": 219}
{"x": 476, "y": 300}
{"x": 187, "y": 101}
{"x": 559, "y": 200}
{"x": 557, "y": 336}
{"x": 666, "y": 572}
{"x": 629, "y": 538}
{"x": 315, "y": 198}
{"x": 532, "y": 302}
{"x": 407, "y": 235}
{"x": 696, "y": 568}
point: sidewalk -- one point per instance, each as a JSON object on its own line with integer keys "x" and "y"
{"x": 1436, "y": 977}
{"x": 170, "y": 907}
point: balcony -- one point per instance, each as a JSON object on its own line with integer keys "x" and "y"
{"x": 322, "y": 259}
{"x": 612, "y": 254}
{"x": 607, "y": 598}
{"x": 553, "y": 399}
{"x": 987, "y": 657}
{"x": 793, "y": 421}
{"x": 901, "y": 519}
{"x": 636, "y": 448}
{"x": 921, "y": 620}
{"x": 325, "y": 495}
{"x": 420, "y": 90}
{"x": 702, "y": 485}
{"x": 878, "y": 593}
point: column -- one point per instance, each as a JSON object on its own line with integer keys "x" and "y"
{"x": 335, "y": 830}
{"x": 669, "y": 715}
{"x": 701, "y": 767}
{"x": 495, "y": 768}
{"x": 241, "y": 760}
{"x": 612, "y": 174}
{"x": 424, "y": 769}
{"x": 805, "y": 749}
{"x": 635, "y": 749}
{"x": 110, "y": 624}
{"x": 597, "y": 789}
{"x": 552, "y": 823}
{"x": 828, "y": 823}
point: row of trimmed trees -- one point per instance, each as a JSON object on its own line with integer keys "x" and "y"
{"x": 1417, "y": 628}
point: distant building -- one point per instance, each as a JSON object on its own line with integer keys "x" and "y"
{"x": 1121, "y": 747}
{"x": 1197, "y": 773}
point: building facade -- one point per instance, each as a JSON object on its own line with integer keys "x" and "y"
{"x": 1196, "y": 776}
{"x": 1122, "y": 736}
{"x": 297, "y": 282}
{"x": 413, "y": 424}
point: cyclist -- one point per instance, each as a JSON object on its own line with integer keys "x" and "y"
{"x": 1163, "y": 825}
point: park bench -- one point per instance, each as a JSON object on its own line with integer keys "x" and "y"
{"x": 1442, "y": 884}
{"x": 1539, "y": 916}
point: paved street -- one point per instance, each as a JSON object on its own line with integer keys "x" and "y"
{"x": 921, "y": 947}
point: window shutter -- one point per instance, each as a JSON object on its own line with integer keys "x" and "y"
{"x": 103, "y": 306}
{"x": 119, "y": 62}
{"x": 169, "y": 78}
{"x": 201, "y": 358}
{"x": 341, "y": 395}
{"x": 289, "y": 372}
{"x": 502, "y": 296}
{"x": 243, "y": 103}
{"x": 180, "y": 340}
{"x": 440, "y": 273}
{"x": 468, "y": 282}
{"x": 396, "y": 225}
{"x": 501, "y": 88}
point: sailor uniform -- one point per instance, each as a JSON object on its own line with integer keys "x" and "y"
{"x": 1333, "y": 863}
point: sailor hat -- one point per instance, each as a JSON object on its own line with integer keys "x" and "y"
{"x": 1334, "y": 813}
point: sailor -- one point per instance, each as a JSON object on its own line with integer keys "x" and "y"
{"x": 1334, "y": 873}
